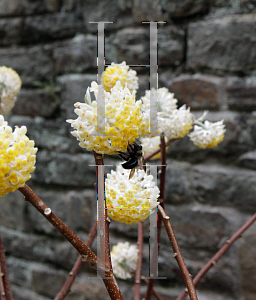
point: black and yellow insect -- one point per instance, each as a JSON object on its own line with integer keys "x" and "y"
{"x": 134, "y": 157}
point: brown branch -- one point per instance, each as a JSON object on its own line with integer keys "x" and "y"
{"x": 139, "y": 263}
{"x": 76, "y": 268}
{"x": 87, "y": 255}
{"x": 158, "y": 297}
{"x": 107, "y": 244}
{"x": 218, "y": 255}
{"x": 147, "y": 157}
{"x": 5, "y": 286}
{"x": 177, "y": 254}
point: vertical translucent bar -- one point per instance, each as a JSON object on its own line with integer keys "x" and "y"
{"x": 153, "y": 234}
{"x": 101, "y": 63}
{"x": 153, "y": 78}
{"x": 101, "y": 215}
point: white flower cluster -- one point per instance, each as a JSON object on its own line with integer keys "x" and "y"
{"x": 175, "y": 123}
{"x": 123, "y": 120}
{"x": 10, "y": 85}
{"x": 130, "y": 200}
{"x": 149, "y": 145}
{"x": 17, "y": 157}
{"x": 208, "y": 135}
{"x": 124, "y": 260}
{"x": 120, "y": 72}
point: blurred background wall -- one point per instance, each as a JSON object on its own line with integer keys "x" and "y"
{"x": 207, "y": 57}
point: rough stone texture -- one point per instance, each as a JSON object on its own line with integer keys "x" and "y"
{"x": 132, "y": 45}
{"x": 64, "y": 169}
{"x": 32, "y": 63}
{"x": 10, "y": 31}
{"x": 148, "y": 10}
{"x": 198, "y": 91}
{"x": 225, "y": 44}
{"x": 247, "y": 258}
{"x": 51, "y": 26}
{"x": 41, "y": 102}
{"x": 76, "y": 55}
{"x": 73, "y": 88}
{"x": 248, "y": 160}
{"x": 241, "y": 93}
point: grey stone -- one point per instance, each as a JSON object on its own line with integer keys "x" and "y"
{"x": 51, "y": 26}
{"x": 132, "y": 45}
{"x": 198, "y": 91}
{"x": 21, "y": 293}
{"x": 40, "y": 102}
{"x": 12, "y": 212}
{"x": 73, "y": 88}
{"x": 10, "y": 31}
{"x": 75, "y": 209}
{"x": 225, "y": 44}
{"x": 148, "y": 10}
{"x": 65, "y": 169}
{"x": 171, "y": 46}
{"x": 248, "y": 160}
{"x": 18, "y": 271}
{"x": 42, "y": 279}
{"x": 241, "y": 93}
{"x": 247, "y": 258}
{"x": 76, "y": 55}
{"x": 225, "y": 186}
{"x": 31, "y": 63}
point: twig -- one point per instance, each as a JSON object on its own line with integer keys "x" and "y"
{"x": 5, "y": 286}
{"x": 155, "y": 293}
{"x": 76, "y": 268}
{"x": 147, "y": 157}
{"x": 177, "y": 254}
{"x": 107, "y": 244}
{"x": 218, "y": 255}
{"x": 139, "y": 263}
{"x": 87, "y": 255}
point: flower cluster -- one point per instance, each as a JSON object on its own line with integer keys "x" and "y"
{"x": 10, "y": 85}
{"x": 17, "y": 156}
{"x": 119, "y": 72}
{"x": 150, "y": 145}
{"x": 208, "y": 135}
{"x": 130, "y": 200}
{"x": 175, "y": 123}
{"x": 124, "y": 260}
{"x": 123, "y": 121}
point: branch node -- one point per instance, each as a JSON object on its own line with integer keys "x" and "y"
{"x": 2, "y": 274}
{"x": 175, "y": 254}
{"x": 47, "y": 211}
{"x": 166, "y": 217}
{"x": 190, "y": 275}
{"x": 214, "y": 262}
{"x": 137, "y": 281}
{"x": 228, "y": 241}
{"x": 186, "y": 290}
{"x": 71, "y": 273}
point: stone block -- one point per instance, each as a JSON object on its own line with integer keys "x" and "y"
{"x": 247, "y": 259}
{"x": 37, "y": 102}
{"x": 148, "y": 10}
{"x": 31, "y": 63}
{"x": 224, "y": 44}
{"x": 64, "y": 169}
{"x": 118, "y": 12}
{"x": 225, "y": 186}
{"x": 248, "y": 160}
{"x": 76, "y": 55}
{"x": 27, "y": 7}
{"x": 10, "y": 31}
{"x": 12, "y": 211}
{"x": 241, "y": 93}
{"x": 42, "y": 279}
{"x": 198, "y": 91}
{"x": 77, "y": 210}
{"x": 132, "y": 45}
{"x": 21, "y": 293}
{"x": 18, "y": 271}
{"x": 51, "y": 26}
{"x": 73, "y": 88}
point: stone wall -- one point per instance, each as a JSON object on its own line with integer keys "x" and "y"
{"x": 207, "y": 57}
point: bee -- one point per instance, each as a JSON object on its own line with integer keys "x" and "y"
{"x": 133, "y": 157}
